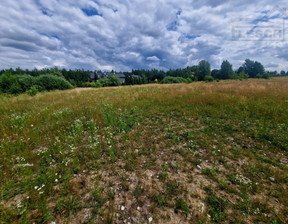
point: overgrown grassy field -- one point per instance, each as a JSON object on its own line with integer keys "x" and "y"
{"x": 183, "y": 153}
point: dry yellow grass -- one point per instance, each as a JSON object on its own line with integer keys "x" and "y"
{"x": 178, "y": 153}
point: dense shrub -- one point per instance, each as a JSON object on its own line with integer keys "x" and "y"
{"x": 264, "y": 76}
{"x": 96, "y": 84}
{"x": 6, "y": 81}
{"x": 52, "y": 82}
{"x": 18, "y": 84}
{"x": 192, "y": 78}
{"x": 15, "y": 89}
{"x": 26, "y": 81}
{"x": 170, "y": 79}
{"x": 208, "y": 78}
{"x": 104, "y": 81}
{"x": 131, "y": 79}
{"x": 32, "y": 91}
{"x": 9, "y": 84}
{"x": 242, "y": 75}
{"x": 114, "y": 80}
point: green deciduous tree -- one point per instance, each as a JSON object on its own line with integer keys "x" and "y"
{"x": 215, "y": 73}
{"x": 170, "y": 79}
{"x": 241, "y": 69}
{"x": 253, "y": 68}
{"x": 52, "y": 82}
{"x": 249, "y": 67}
{"x": 9, "y": 83}
{"x": 226, "y": 71}
{"x": 204, "y": 69}
{"x": 258, "y": 68}
{"x": 113, "y": 80}
{"x": 208, "y": 78}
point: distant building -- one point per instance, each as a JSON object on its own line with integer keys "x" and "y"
{"x": 121, "y": 77}
{"x": 98, "y": 75}
{"x": 92, "y": 77}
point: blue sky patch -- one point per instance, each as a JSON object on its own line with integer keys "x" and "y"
{"x": 46, "y": 12}
{"x": 179, "y": 12}
{"x": 91, "y": 12}
{"x": 173, "y": 26}
{"x": 191, "y": 37}
{"x": 56, "y": 37}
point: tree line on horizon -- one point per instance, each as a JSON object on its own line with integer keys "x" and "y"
{"x": 31, "y": 81}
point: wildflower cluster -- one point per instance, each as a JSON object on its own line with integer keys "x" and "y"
{"x": 18, "y": 120}
{"x": 243, "y": 180}
{"x": 40, "y": 188}
{"x": 60, "y": 113}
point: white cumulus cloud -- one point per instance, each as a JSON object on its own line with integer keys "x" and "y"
{"x": 123, "y": 35}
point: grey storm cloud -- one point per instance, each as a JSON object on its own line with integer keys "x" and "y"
{"x": 125, "y": 35}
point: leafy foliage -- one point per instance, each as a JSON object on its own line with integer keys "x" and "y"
{"x": 226, "y": 71}
{"x": 9, "y": 84}
{"x": 52, "y": 82}
{"x": 96, "y": 84}
{"x": 26, "y": 81}
{"x": 16, "y": 81}
{"x": 32, "y": 91}
{"x": 242, "y": 75}
{"x": 19, "y": 84}
{"x": 204, "y": 69}
{"x": 208, "y": 78}
{"x": 253, "y": 68}
{"x": 113, "y": 80}
{"x": 170, "y": 79}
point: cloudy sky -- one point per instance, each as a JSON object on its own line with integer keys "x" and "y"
{"x": 132, "y": 34}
